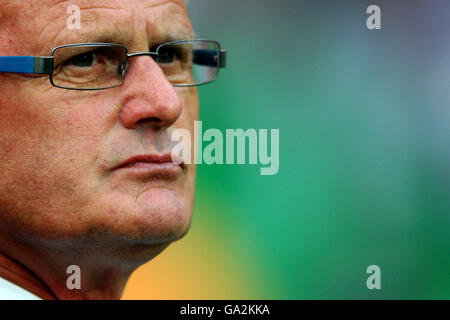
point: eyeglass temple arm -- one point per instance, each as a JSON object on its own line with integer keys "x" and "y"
{"x": 44, "y": 65}
{"x": 26, "y": 64}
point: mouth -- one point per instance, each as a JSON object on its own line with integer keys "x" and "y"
{"x": 161, "y": 166}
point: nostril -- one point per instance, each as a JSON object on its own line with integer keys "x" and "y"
{"x": 150, "y": 120}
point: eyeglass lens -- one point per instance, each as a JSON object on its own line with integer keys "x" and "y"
{"x": 184, "y": 63}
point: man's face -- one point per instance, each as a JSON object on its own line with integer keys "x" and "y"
{"x": 60, "y": 149}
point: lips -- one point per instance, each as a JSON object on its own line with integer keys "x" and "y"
{"x": 152, "y": 164}
{"x": 150, "y": 158}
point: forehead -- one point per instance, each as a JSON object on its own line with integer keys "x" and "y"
{"x": 42, "y": 25}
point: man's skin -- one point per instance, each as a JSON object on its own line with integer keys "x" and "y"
{"x": 62, "y": 202}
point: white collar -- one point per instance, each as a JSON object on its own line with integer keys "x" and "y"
{"x": 10, "y": 291}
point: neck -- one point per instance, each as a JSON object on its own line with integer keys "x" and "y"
{"x": 44, "y": 271}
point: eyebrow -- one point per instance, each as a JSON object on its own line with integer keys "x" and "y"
{"x": 175, "y": 36}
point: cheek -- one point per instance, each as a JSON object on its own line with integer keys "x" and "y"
{"x": 46, "y": 151}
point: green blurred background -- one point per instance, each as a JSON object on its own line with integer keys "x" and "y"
{"x": 364, "y": 173}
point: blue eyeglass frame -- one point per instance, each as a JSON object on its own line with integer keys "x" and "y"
{"x": 45, "y": 64}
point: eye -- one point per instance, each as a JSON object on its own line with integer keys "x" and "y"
{"x": 167, "y": 54}
{"x": 84, "y": 60}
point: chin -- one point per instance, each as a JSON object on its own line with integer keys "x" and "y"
{"x": 156, "y": 216}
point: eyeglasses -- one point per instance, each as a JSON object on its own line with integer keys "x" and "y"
{"x": 97, "y": 66}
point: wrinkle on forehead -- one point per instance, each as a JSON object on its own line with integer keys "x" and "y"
{"x": 40, "y": 25}
{"x": 34, "y": 6}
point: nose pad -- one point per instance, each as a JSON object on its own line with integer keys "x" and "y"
{"x": 123, "y": 68}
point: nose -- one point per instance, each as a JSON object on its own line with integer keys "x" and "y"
{"x": 148, "y": 98}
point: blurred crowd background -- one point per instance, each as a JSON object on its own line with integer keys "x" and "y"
{"x": 364, "y": 119}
